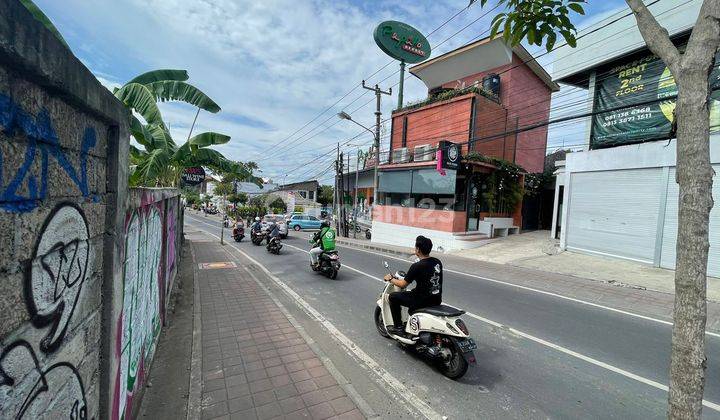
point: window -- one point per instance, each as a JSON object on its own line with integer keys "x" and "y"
{"x": 311, "y": 195}
{"x": 303, "y": 194}
{"x": 312, "y": 218}
{"x": 422, "y": 188}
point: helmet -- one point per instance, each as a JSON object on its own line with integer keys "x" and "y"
{"x": 257, "y": 219}
{"x": 324, "y": 224}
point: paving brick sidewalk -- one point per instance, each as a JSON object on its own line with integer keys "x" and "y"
{"x": 255, "y": 364}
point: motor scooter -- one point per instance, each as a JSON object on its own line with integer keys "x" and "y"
{"x": 257, "y": 237}
{"x": 328, "y": 263}
{"x": 238, "y": 233}
{"x": 274, "y": 246}
{"x": 436, "y": 332}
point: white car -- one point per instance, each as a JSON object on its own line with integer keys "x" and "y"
{"x": 279, "y": 219}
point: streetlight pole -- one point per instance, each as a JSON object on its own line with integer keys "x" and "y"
{"x": 344, "y": 115}
{"x": 355, "y": 212}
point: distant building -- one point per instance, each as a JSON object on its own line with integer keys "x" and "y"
{"x": 618, "y": 196}
{"x": 478, "y": 95}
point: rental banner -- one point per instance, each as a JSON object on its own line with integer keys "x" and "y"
{"x": 640, "y": 96}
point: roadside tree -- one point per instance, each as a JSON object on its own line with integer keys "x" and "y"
{"x": 540, "y": 22}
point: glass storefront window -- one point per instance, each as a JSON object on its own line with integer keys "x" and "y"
{"x": 395, "y": 181}
{"x": 429, "y": 181}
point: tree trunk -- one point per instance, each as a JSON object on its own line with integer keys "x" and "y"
{"x": 694, "y": 178}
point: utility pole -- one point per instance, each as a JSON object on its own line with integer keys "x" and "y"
{"x": 341, "y": 195}
{"x": 378, "y": 93}
{"x": 355, "y": 212}
{"x": 336, "y": 209}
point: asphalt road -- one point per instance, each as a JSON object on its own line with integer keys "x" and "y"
{"x": 538, "y": 356}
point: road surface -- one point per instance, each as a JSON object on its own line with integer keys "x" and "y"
{"x": 539, "y": 356}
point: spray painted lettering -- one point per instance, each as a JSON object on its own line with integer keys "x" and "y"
{"x": 41, "y": 136}
{"x": 57, "y": 391}
{"x": 140, "y": 321}
{"x": 58, "y": 270}
{"x": 54, "y": 279}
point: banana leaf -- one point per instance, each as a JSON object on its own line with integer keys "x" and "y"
{"x": 42, "y": 18}
{"x": 159, "y": 75}
{"x": 208, "y": 138}
{"x": 173, "y": 90}
{"x": 140, "y": 98}
{"x": 150, "y": 168}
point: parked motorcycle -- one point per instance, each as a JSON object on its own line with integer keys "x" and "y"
{"x": 328, "y": 264}
{"x": 436, "y": 332}
{"x": 238, "y": 233}
{"x": 274, "y": 245}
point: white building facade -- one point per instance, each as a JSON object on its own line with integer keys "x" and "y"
{"x": 618, "y": 197}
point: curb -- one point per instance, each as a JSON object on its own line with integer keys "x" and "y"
{"x": 195, "y": 389}
{"x": 373, "y": 248}
{"x": 349, "y": 389}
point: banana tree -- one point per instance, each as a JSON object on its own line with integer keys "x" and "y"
{"x": 162, "y": 160}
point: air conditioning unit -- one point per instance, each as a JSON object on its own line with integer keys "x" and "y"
{"x": 401, "y": 155}
{"x": 424, "y": 153}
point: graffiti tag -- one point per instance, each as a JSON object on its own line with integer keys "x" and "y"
{"x": 57, "y": 272}
{"x": 58, "y": 388}
{"x": 42, "y": 137}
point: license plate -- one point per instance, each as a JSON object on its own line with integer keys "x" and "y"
{"x": 467, "y": 345}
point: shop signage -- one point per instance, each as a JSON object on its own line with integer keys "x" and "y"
{"x": 402, "y": 42}
{"x": 648, "y": 82}
{"x": 450, "y": 154}
{"x": 193, "y": 176}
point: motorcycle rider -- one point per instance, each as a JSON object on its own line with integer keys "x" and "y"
{"x": 323, "y": 240}
{"x": 273, "y": 231}
{"x": 427, "y": 274}
{"x": 256, "y": 227}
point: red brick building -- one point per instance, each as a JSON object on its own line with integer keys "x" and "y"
{"x": 484, "y": 96}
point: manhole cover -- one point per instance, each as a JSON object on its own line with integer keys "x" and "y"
{"x": 216, "y": 265}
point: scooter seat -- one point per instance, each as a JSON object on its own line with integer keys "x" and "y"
{"x": 440, "y": 310}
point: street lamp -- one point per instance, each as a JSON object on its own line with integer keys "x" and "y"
{"x": 376, "y": 134}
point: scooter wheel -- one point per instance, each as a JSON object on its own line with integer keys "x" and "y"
{"x": 333, "y": 274}
{"x": 379, "y": 323}
{"x": 456, "y": 366}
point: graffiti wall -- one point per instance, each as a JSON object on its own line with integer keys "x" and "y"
{"x": 85, "y": 264}
{"x": 150, "y": 256}
{"x": 57, "y": 187}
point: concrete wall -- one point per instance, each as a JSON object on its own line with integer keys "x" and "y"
{"x": 63, "y": 162}
{"x": 152, "y": 233}
{"x": 84, "y": 272}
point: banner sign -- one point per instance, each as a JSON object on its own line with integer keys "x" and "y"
{"x": 402, "y": 42}
{"x": 641, "y": 95}
{"x": 450, "y": 156}
{"x": 193, "y": 176}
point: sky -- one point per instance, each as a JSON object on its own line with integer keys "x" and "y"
{"x": 276, "y": 65}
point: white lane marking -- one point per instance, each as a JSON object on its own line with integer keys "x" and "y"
{"x": 530, "y": 289}
{"x": 588, "y": 359}
{"x": 399, "y": 389}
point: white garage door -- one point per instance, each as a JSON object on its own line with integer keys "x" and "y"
{"x": 615, "y": 212}
{"x": 667, "y": 259}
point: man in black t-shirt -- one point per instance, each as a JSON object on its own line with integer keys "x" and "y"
{"x": 428, "y": 277}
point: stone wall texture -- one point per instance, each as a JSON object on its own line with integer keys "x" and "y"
{"x": 80, "y": 257}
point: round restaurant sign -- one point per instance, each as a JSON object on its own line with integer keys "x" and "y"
{"x": 193, "y": 176}
{"x": 402, "y": 42}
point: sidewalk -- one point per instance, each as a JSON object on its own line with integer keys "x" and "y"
{"x": 254, "y": 362}
{"x": 617, "y": 295}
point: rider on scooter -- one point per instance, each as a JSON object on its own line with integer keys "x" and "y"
{"x": 273, "y": 231}
{"x": 323, "y": 240}
{"x": 428, "y": 275}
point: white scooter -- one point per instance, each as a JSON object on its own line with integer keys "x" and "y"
{"x": 436, "y": 332}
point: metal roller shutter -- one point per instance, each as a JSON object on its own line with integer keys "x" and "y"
{"x": 670, "y": 229}
{"x": 615, "y": 212}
